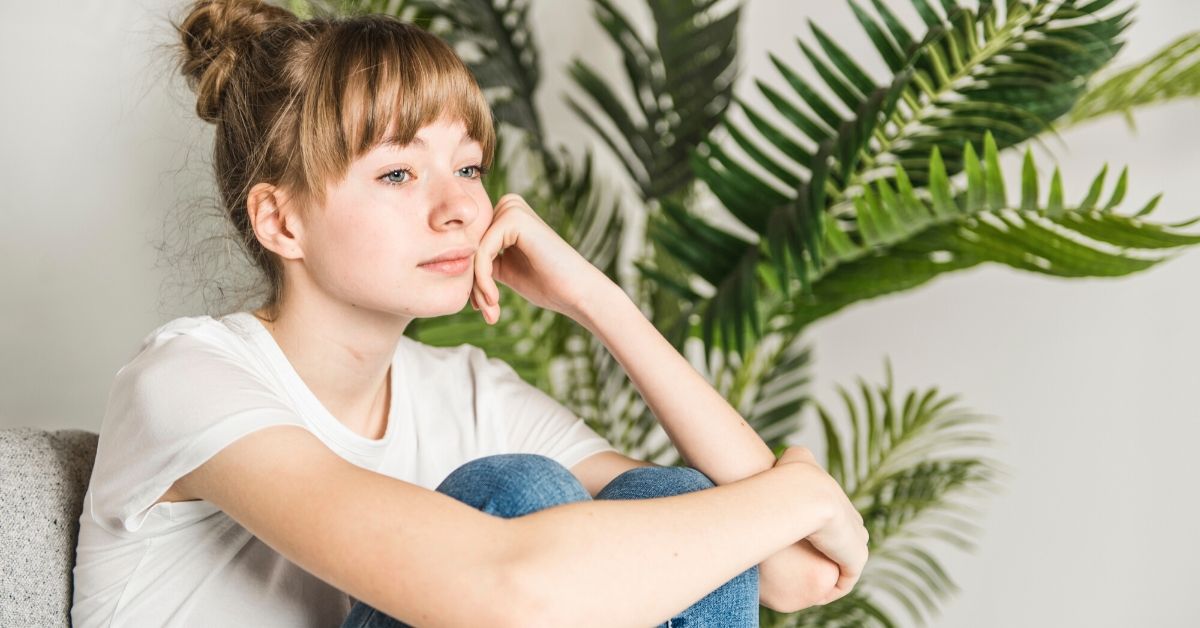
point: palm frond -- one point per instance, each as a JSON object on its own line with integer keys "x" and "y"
{"x": 496, "y": 42}
{"x": 769, "y": 389}
{"x": 778, "y": 389}
{"x": 1011, "y": 71}
{"x": 956, "y": 84}
{"x": 599, "y": 391}
{"x": 1172, "y": 73}
{"x": 924, "y": 105}
{"x": 902, "y": 464}
{"x": 573, "y": 204}
{"x": 680, "y": 83}
{"x": 902, "y": 237}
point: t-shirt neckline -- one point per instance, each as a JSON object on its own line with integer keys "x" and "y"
{"x": 291, "y": 378}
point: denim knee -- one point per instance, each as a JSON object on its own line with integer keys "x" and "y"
{"x": 647, "y": 482}
{"x": 513, "y": 484}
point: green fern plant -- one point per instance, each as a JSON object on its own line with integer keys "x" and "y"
{"x": 850, "y": 187}
{"x": 900, "y": 461}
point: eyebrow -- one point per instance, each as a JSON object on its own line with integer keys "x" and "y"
{"x": 395, "y": 141}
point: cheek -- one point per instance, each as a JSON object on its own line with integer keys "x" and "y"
{"x": 358, "y": 252}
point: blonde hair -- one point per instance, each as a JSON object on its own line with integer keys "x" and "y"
{"x": 295, "y": 102}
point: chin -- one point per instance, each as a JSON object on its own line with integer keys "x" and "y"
{"x": 442, "y": 307}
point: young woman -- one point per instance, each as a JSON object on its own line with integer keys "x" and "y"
{"x": 306, "y": 464}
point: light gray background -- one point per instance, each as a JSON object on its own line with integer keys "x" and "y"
{"x": 1094, "y": 382}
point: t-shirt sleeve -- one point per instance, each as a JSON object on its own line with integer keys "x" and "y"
{"x": 178, "y": 402}
{"x": 530, "y": 420}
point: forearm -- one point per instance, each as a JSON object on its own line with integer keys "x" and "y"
{"x": 656, "y": 556}
{"x": 708, "y": 432}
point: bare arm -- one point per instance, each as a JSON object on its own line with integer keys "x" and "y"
{"x": 657, "y": 556}
{"x": 418, "y": 555}
{"x": 427, "y": 559}
{"x": 707, "y": 431}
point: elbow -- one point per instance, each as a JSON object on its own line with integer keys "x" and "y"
{"x": 801, "y": 593}
{"x": 527, "y": 605}
{"x": 527, "y": 601}
{"x": 780, "y": 603}
{"x": 793, "y": 603}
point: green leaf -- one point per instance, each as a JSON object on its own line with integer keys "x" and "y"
{"x": 939, "y": 186}
{"x": 1054, "y": 207}
{"x": 681, "y": 84}
{"x": 842, "y": 61}
{"x": 994, "y": 182}
{"x": 906, "y": 475}
{"x": 1093, "y": 195}
{"x": 1029, "y": 184}
{"x": 1172, "y": 73}
{"x": 892, "y": 55}
{"x": 1118, "y": 194}
{"x": 508, "y": 51}
{"x": 1043, "y": 238}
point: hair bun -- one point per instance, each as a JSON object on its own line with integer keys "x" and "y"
{"x": 215, "y": 34}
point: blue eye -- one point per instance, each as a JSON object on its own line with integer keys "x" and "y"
{"x": 479, "y": 168}
{"x": 388, "y": 180}
{"x": 392, "y": 182}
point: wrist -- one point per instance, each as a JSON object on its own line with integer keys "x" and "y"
{"x": 595, "y": 298}
{"x": 808, "y": 495}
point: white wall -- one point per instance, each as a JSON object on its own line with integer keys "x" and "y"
{"x": 1093, "y": 381}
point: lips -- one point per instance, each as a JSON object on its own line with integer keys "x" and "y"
{"x": 449, "y": 256}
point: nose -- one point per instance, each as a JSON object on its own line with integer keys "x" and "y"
{"x": 454, "y": 207}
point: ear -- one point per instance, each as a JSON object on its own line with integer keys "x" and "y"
{"x": 275, "y": 221}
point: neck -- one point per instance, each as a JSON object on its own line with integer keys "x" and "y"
{"x": 343, "y": 354}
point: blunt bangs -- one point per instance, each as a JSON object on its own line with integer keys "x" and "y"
{"x": 379, "y": 80}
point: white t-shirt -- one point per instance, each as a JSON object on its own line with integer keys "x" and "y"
{"x": 199, "y": 383}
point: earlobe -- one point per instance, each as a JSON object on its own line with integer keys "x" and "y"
{"x": 274, "y": 224}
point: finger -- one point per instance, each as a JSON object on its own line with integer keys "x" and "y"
{"x": 838, "y": 592}
{"x": 483, "y": 265}
{"x": 490, "y": 246}
{"x": 500, "y": 236}
{"x": 511, "y": 197}
{"x": 846, "y": 581}
{"x": 486, "y": 310}
{"x": 491, "y": 291}
{"x": 477, "y": 301}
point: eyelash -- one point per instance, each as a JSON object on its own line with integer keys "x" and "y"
{"x": 482, "y": 171}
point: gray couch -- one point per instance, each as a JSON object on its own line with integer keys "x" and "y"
{"x": 43, "y": 477}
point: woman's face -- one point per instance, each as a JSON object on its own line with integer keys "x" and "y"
{"x": 397, "y": 207}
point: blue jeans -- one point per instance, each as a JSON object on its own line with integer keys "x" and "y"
{"x": 512, "y": 485}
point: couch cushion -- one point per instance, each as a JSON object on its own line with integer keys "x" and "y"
{"x": 43, "y": 477}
